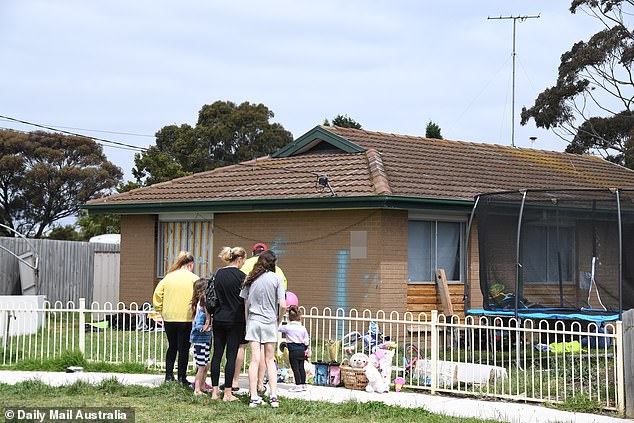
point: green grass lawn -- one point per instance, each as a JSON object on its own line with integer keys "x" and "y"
{"x": 171, "y": 402}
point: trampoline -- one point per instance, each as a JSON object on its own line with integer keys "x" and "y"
{"x": 553, "y": 254}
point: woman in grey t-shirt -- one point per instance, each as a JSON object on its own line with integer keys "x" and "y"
{"x": 265, "y": 304}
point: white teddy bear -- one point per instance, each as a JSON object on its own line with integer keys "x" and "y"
{"x": 381, "y": 359}
{"x": 375, "y": 380}
{"x": 358, "y": 360}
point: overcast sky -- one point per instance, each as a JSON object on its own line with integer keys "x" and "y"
{"x": 135, "y": 66}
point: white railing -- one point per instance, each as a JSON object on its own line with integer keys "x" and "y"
{"x": 102, "y": 333}
{"x": 520, "y": 360}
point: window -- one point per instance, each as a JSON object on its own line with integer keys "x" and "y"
{"x": 543, "y": 256}
{"x": 193, "y": 236}
{"x": 434, "y": 245}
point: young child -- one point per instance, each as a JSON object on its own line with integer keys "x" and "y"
{"x": 200, "y": 336}
{"x": 298, "y": 342}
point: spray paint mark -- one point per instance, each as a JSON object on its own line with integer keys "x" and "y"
{"x": 276, "y": 246}
{"x": 341, "y": 299}
{"x": 341, "y": 284}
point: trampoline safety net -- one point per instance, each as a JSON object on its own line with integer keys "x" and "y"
{"x": 563, "y": 250}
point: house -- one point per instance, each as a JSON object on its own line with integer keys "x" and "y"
{"x": 359, "y": 219}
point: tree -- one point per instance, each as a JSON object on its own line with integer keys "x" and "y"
{"x": 343, "y": 121}
{"x": 65, "y": 233}
{"x": 12, "y": 167}
{"x": 591, "y": 103}
{"x": 98, "y": 224}
{"x": 225, "y": 133}
{"x": 45, "y": 177}
{"x": 433, "y": 131}
{"x": 127, "y": 186}
{"x": 86, "y": 227}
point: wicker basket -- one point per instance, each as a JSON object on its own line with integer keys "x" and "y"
{"x": 353, "y": 378}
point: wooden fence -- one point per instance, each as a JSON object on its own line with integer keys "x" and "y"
{"x": 66, "y": 268}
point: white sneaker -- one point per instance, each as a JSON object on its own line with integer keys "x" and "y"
{"x": 297, "y": 388}
{"x": 255, "y": 402}
{"x": 275, "y": 403}
{"x": 304, "y": 387}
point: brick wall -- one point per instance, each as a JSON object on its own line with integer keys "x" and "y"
{"x": 475, "y": 295}
{"x": 314, "y": 253}
{"x": 607, "y": 263}
{"x": 393, "y": 255}
{"x": 138, "y": 258}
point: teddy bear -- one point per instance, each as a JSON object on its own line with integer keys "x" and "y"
{"x": 375, "y": 380}
{"x": 385, "y": 364}
{"x": 381, "y": 358}
{"x": 358, "y": 360}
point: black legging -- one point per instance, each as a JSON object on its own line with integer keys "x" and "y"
{"x": 227, "y": 335}
{"x": 297, "y": 359}
{"x": 177, "y": 342}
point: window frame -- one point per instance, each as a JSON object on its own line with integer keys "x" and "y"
{"x": 461, "y": 220}
{"x": 200, "y": 260}
{"x": 573, "y": 243}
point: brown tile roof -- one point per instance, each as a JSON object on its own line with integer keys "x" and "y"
{"x": 392, "y": 164}
{"x": 265, "y": 178}
{"x": 426, "y": 168}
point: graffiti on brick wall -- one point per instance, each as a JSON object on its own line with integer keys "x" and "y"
{"x": 341, "y": 279}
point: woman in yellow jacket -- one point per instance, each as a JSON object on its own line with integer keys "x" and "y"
{"x": 171, "y": 298}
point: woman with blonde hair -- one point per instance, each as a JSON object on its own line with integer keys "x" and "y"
{"x": 172, "y": 298}
{"x": 229, "y": 320}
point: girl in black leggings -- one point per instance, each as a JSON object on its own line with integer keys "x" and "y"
{"x": 298, "y": 343}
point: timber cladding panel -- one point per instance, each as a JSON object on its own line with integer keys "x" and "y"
{"x": 426, "y": 297}
{"x": 138, "y": 258}
{"x": 314, "y": 252}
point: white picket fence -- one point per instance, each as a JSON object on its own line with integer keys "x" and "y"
{"x": 529, "y": 361}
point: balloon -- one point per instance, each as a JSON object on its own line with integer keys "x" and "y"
{"x": 291, "y": 299}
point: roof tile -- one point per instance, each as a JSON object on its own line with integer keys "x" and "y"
{"x": 390, "y": 165}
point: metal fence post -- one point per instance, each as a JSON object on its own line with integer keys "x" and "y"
{"x": 620, "y": 368}
{"x": 434, "y": 351}
{"x": 82, "y": 324}
{"x": 627, "y": 349}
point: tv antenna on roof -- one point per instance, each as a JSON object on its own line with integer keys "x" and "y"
{"x": 533, "y": 139}
{"x": 515, "y": 19}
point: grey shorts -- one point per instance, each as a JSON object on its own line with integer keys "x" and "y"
{"x": 261, "y": 332}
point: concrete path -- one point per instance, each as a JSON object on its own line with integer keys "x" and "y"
{"x": 452, "y": 406}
